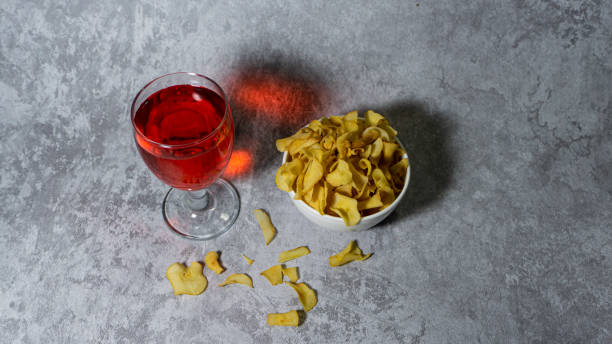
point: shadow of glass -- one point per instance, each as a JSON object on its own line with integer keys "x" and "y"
{"x": 425, "y": 135}
{"x": 271, "y": 96}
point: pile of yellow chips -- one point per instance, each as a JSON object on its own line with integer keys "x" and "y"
{"x": 344, "y": 166}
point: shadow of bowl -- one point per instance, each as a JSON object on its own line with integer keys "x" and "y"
{"x": 425, "y": 134}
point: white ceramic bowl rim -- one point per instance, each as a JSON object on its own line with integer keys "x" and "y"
{"x": 364, "y": 218}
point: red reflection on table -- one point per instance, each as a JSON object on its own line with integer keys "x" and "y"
{"x": 240, "y": 164}
{"x": 279, "y": 98}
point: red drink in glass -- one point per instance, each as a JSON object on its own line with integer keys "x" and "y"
{"x": 181, "y": 137}
{"x": 184, "y": 132}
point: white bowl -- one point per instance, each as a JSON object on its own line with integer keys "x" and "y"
{"x": 336, "y": 223}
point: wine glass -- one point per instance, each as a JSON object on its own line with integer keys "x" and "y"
{"x": 184, "y": 132}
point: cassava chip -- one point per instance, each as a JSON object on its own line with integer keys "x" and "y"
{"x": 384, "y": 188}
{"x": 290, "y": 318}
{"x": 371, "y": 203}
{"x": 287, "y": 174}
{"x": 344, "y": 166}
{"x": 350, "y": 253}
{"x": 346, "y": 208}
{"x": 239, "y": 279}
{"x": 211, "y": 259}
{"x": 375, "y": 132}
{"x": 187, "y": 280}
{"x": 376, "y": 152}
{"x": 283, "y": 144}
{"x": 340, "y": 175}
{"x": 286, "y": 256}
{"x": 372, "y": 118}
{"x": 389, "y": 152}
{"x": 266, "y": 225}
{"x": 346, "y": 189}
{"x": 291, "y": 273}
{"x": 307, "y": 296}
{"x": 248, "y": 260}
{"x": 314, "y": 173}
{"x": 317, "y": 198}
{"x": 398, "y": 173}
{"x": 274, "y": 274}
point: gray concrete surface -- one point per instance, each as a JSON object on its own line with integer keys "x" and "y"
{"x": 505, "y": 106}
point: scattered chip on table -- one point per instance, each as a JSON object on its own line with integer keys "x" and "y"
{"x": 238, "y": 279}
{"x": 350, "y": 253}
{"x": 267, "y": 228}
{"x": 297, "y": 252}
{"x": 290, "y": 318}
{"x": 187, "y": 280}
{"x": 274, "y": 274}
{"x": 306, "y": 295}
{"x": 211, "y": 259}
{"x": 291, "y": 273}
{"x": 248, "y": 260}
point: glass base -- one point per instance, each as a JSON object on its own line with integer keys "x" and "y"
{"x": 202, "y": 214}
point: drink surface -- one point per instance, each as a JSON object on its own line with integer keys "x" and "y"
{"x": 191, "y": 139}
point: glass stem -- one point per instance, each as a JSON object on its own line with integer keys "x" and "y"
{"x": 198, "y": 199}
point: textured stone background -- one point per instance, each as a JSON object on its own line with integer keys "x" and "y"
{"x": 505, "y": 106}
